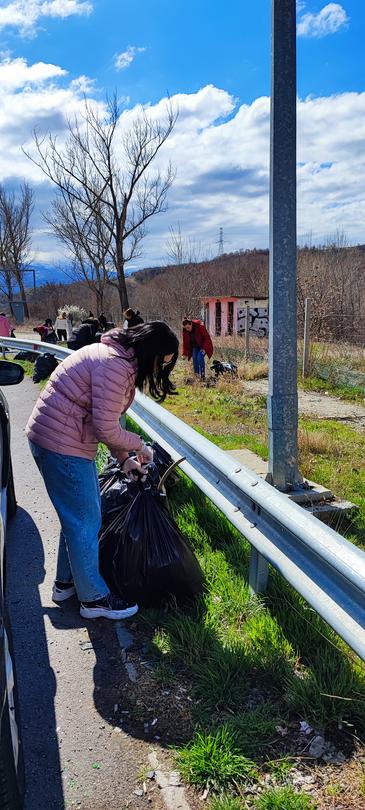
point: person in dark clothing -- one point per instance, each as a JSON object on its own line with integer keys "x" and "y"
{"x": 132, "y": 318}
{"x": 46, "y": 332}
{"x": 85, "y": 334}
{"x": 196, "y": 344}
{"x": 91, "y": 314}
{"x": 103, "y": 322}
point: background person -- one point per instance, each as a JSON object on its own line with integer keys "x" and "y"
{"x": 196, "y": 344}
{"x": 5, "y": 327}
{"x": 46, "y": 332}
{"x": 85, "y": 334}
{"x": 62, "y": 327}
{"x": 80, "y": 407}
{"x": 103, "y": 322}
{"x": 132, "y": 318}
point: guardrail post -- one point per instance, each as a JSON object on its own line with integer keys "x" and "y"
{"x": 258, "y": 572}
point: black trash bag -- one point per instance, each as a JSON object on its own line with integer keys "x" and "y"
{"x": 142, "y": 555}
{"x": 43, "y": 367}
{"x": 163, "y": 461}
{"x": 114, "y": 490}
{"x": 30, "y": 356}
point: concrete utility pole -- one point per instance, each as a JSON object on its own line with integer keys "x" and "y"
{"x": 283, "y": 395}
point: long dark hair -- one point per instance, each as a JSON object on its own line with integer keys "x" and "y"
{"x": 151, "y": 342}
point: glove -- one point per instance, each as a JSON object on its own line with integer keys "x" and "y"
{"x": 132, "y": 468}
{"x": 145, "y": 456}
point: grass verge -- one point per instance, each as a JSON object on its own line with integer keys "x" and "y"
{"x": 256, "y": 666}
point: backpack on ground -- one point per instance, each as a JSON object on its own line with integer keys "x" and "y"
{"x": 44, "y": 365}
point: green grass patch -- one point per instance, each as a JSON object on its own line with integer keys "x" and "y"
{"x": 284, "y": 798}
{"x": 214, "y": 760}
{"x": 101, "y": 457}
{"x": 25, "y": 364}
{"x": 347, "y": 392}
{"x": 225, "y": 803}
{"x": 254, "y": 663}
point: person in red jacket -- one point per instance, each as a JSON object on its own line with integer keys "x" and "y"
{"x": 196, "y": 344}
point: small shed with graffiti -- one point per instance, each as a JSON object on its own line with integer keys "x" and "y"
{"x": 226, "y": 315}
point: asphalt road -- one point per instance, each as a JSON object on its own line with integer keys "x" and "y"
{"x": 69, "y": 673}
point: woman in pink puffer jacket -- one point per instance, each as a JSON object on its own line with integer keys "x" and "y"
{"x": 81, "y": 406}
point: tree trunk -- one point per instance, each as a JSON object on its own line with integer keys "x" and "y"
{"x": 99, "y": 300}
{"x": 122, "y": 287}
{"x": 23, "y": 294}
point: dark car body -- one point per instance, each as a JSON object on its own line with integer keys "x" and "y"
{"x": 11, "y": 758}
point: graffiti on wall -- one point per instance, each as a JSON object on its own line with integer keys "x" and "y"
{"x": 258, "y": 324}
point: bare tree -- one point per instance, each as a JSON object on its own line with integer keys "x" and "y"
{"x": 88, "y": 242}
{"x": 183, "y": 250}
{"x": 6, "y": 280}
{"x": 108, "y": 169}
{"x": 15, "y": 216}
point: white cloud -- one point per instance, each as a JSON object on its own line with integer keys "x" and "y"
{"x": 25, "y": 14}
{"x": 329, "y": 20}
{"x": 125, "y": 59}
{"x": 15, "y": 73}
{"x": 221, "y": 152}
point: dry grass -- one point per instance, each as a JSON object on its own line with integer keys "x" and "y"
{"x": 318, "y": 442}
{"x": 253, "y": 371}
{"x": 342, "y": 354}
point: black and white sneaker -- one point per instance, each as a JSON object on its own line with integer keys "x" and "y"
{"x": 110, "y": 607}
{"x": 62, "y": 590}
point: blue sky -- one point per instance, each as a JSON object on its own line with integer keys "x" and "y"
{"x": 189, "y": 44}
{"x": 148, "y": 50}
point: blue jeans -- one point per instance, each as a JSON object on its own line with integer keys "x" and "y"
{"x": 73, "y": 487}
{"x": 198, "y": 362}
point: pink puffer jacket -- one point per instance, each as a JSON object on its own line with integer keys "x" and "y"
{"x": 83, "y": 400}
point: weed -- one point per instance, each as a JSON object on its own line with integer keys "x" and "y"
{"x": 280, "y": 768}
{"x": 101, "y": 457}
{"x": 254, "y": 729}
{"x": 225, "y": 803}
{"x": 283, "y": 798}
{"x": 214, "y": 759}
{"x": 333, "y": 789}
{"x": 163, "y": 673}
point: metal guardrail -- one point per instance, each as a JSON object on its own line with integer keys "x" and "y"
{"x": 324, "y": 567}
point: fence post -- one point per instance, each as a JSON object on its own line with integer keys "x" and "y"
{"x": 3, "y": 352}
{"x": 247, "y": 334}
{"x": 306, "y": 339}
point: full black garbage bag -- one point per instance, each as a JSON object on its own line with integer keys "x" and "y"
{"x": 30, "y": 356}
{"x": 163, "y": 461}
{"x": 43, "y": 367}
{"x": 143, "y": 556}
{"x": 115, "y": 492}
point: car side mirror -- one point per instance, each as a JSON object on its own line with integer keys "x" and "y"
{"x": 10, "y": 373}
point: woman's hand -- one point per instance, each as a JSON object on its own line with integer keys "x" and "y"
{"x": 132, "y": 467}
{"x": 145, "y": 455}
